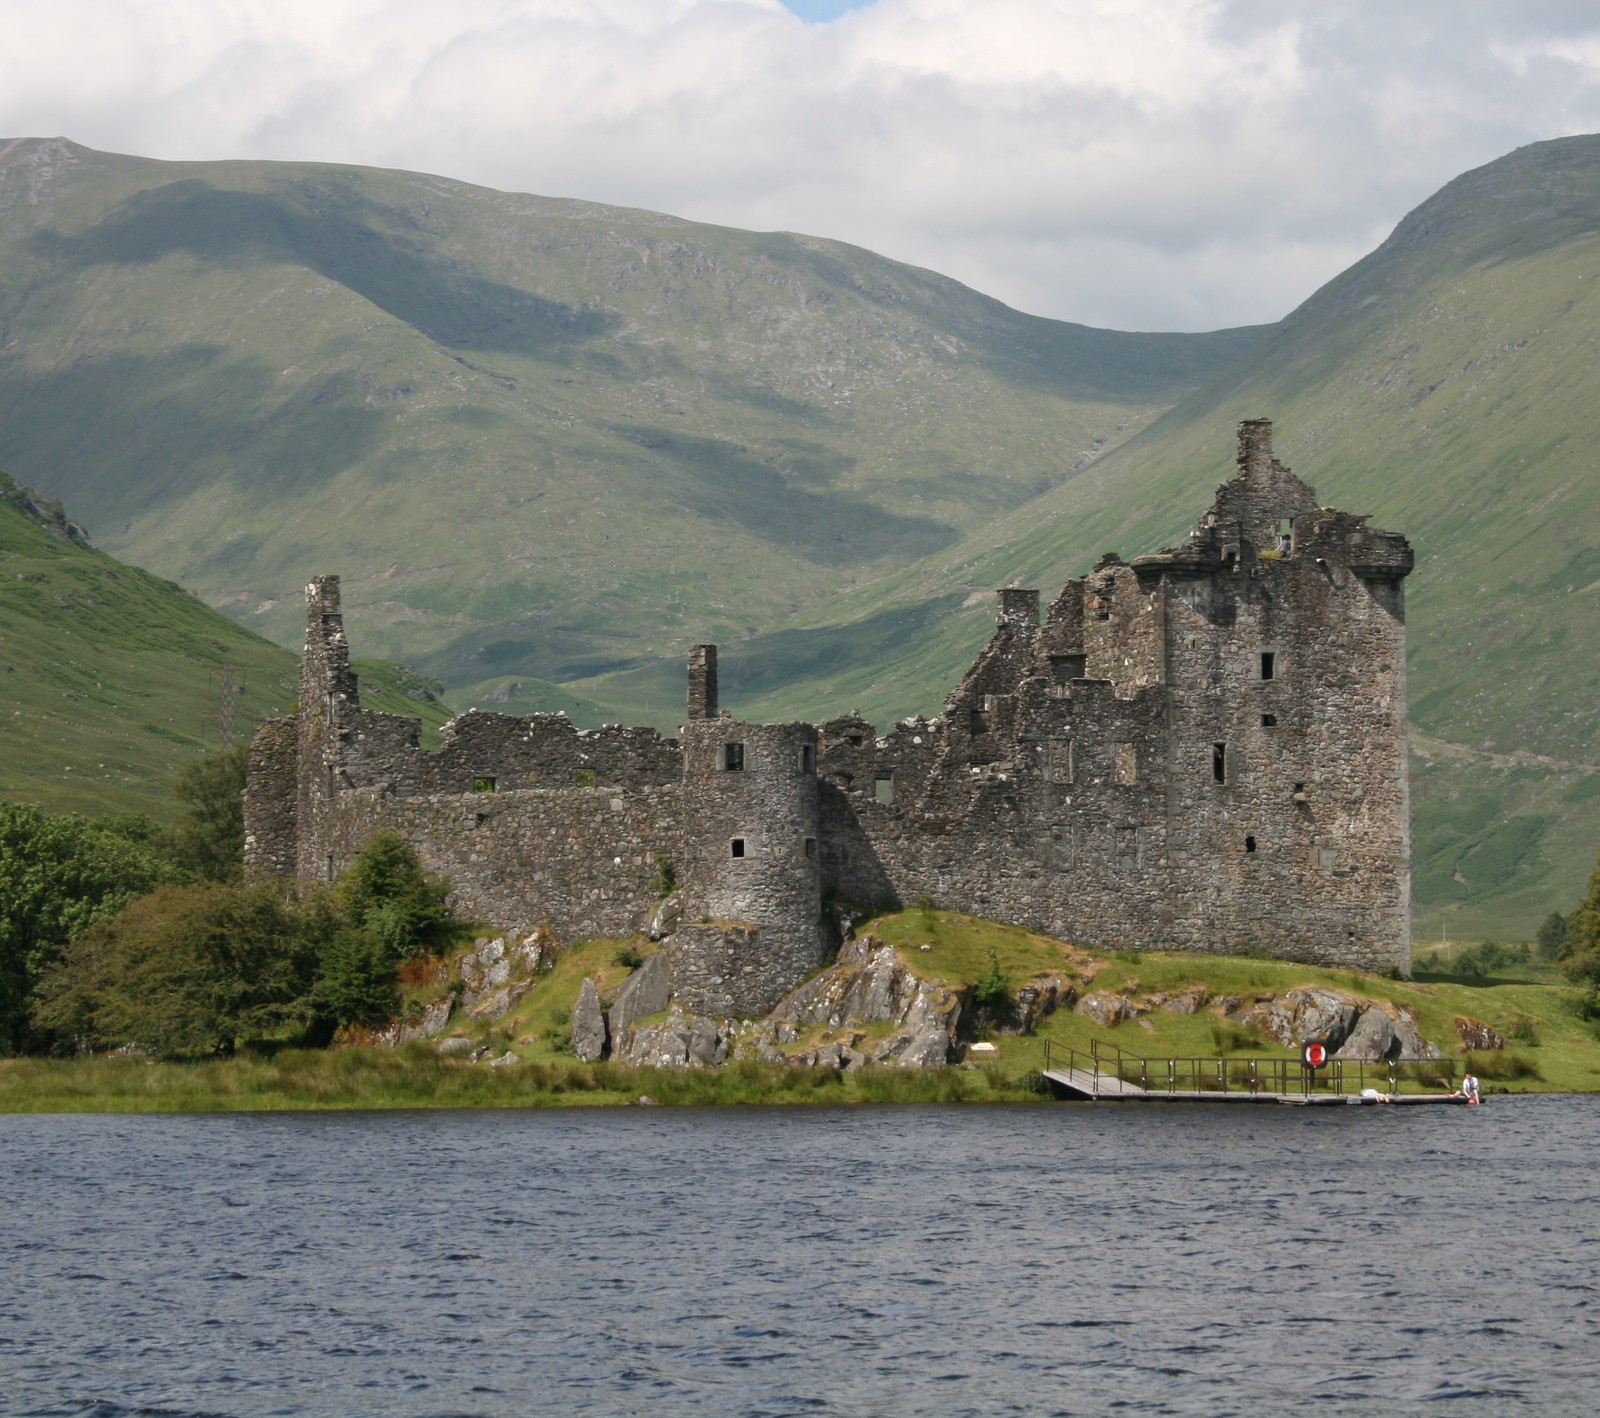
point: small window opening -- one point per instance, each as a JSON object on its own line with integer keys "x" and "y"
{"x": 1068, "y": 667}
{"x": 808, "y": 758}
{"x": 980, "y": 721}
{"x": 808, "y": 848}
{"x": 330, "y": 866}
{"x": 854, "y": 740}
{"x": 1285, "y": 535}
{"x": 736, "y": 847}
{"x": 1269, "y": 721}
{"x": 585, "y": 777}
{"x": 483, "y": 785}
{"x": 1249, "y": 844}
{"x": 1127, "y": 764}
{"x": 733, "y": 758}
{"x": 1269, "y": 664}
{"x": 1300, "y": 792}
{"x": 884, "y": 788}
{"x": 1219, "y": 762}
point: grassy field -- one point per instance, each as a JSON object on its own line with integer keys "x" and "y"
{"x": 1551, "y": 1047}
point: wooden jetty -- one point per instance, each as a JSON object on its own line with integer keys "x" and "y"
{"x": 1108, "y": 1074}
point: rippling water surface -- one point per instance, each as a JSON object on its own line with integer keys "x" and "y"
{"x": 1069, "y": 1259}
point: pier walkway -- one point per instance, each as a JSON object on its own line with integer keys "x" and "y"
{"x": 1107, "y": 1074}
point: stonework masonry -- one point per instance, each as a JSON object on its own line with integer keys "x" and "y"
{"x": 1200, "y": 749}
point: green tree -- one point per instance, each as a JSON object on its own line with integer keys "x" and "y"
{"x": 187, "y": 970}
{"x": 208, "y": 838}
{"x": 59, "y": 875}
{"x": 1552, "y": 935}
{"x": 1580, "y": 952}
{"x": 390, "y": 910}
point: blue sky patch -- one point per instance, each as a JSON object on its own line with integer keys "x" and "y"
{"x": 823, "y": 10}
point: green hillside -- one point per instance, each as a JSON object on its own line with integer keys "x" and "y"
{"x": 1445, "y": 385}
{"x": 111, "y": 678}
{"x": 536, "y": 437}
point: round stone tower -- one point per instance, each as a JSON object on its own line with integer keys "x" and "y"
{"x": 752, "y": 901}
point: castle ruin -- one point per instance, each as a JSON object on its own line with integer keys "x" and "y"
{"x": 1200, "y": 749}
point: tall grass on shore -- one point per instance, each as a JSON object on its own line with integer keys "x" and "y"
{"x": 419, "y": 1077}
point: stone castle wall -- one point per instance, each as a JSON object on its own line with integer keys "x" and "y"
{"x": 1202, "y": 748}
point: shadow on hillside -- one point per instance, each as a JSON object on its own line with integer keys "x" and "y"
{"x": 163, "y": 426}
{"x": 338, "y": 233}
{"x": 783, "y": 505}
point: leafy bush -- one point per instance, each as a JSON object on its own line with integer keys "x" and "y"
{"x": 185, "y": 970}
{"x": 208, "y": 838}
{"x": 992, "y": 992}
{"x": 628, "y": 957}
{"x": 59, "y": 875}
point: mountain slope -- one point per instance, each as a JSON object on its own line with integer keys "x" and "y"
{"x": 1446, "y": 385}
{"x": 111, "y": 678}
{"x": 536, "y": 437}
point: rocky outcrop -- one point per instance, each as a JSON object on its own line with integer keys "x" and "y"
{"x": 1034, "y": 1000}
{"x": 1380, "y": 1034}
{"x": 679, "y": 1041}
{"x": 1476, "y": 1035}
{"x": 588, "y": 1024}
{"x": 868, "y": 985}
{"x": 647, "y": 991}
{"x": 1105, "y": 1008}
{"x": 1298, "y": 1015}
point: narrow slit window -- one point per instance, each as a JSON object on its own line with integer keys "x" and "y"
{"x": 808, "y": 848}
{"x": 884, "y": 789}
{"x": 733, "y": 758}
{"x": 330, "y": 866}
{"x": 1127, "y": 764}
{"x": 736, "y": 847}
{"x": 1219, "y": 762}
{"x": 808, "y": 758}
{"x": 1269, "y": 664}
{"x": 1249, "y": 844}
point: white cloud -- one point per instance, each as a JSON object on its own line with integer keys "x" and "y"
{"x": 1139, "y": 163}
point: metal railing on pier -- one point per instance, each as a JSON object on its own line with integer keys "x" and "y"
{"x": 1108, "y": 1070}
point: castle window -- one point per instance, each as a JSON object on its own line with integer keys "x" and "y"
{"x": 884, "y": 788}
{"x": 1127, "y": 764}
{"x": 483, "y": 785}
{"x": 1269, "y": 664}
{"x": 1219, "y": 762}
{"x": 1285, "y": 535}
{"x": 1058, "y": 761}
{"x": 1300, "y": 793}
{"x": 1068, "y": 667}
{"x": 330, "y": 866}
{"x": 808, "y": 758}
{"x": 585, "y": 777}
{"x": 808, "y": 848}
{"x": 733, "y": 758}
{"x": 854, "y": 740}
{"x": 1249, "y": 844}
{"x": 736, "y": 847}
{"x": 980, "y": 721}
{"x": 1269, "y": 721}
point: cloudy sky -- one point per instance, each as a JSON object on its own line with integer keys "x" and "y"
{"x": 1143, "y": 164}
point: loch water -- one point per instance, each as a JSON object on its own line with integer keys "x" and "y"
{"x": 1066, "y": 1259}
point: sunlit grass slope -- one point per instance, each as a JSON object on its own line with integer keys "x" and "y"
{"x": 111, "y": 678}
